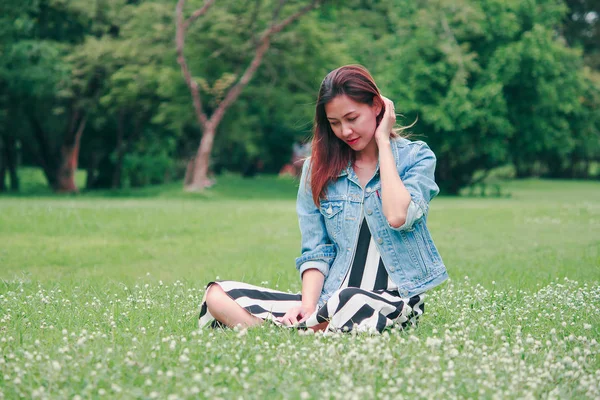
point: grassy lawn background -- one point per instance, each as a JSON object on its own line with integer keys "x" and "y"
{"x": 247, "y": 229}
{"x": 99, "y": 297}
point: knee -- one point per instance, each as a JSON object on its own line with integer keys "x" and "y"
{"x": 346, "y": 294}
{"x": 214, "y": 296}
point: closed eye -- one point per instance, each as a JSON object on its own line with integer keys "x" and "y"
{"x": 352, "y": 119}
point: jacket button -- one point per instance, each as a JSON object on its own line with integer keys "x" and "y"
{"x": 369, "y": 212}
{"x": 379, "y": 240}
{"x": 368, "y": 190}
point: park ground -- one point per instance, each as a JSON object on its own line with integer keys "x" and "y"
{"x": 100, "y": 294}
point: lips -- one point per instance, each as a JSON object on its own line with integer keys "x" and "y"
{"x": 353, "y": 141}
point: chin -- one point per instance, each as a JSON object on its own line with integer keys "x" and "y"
{"x": 360, "y": 146}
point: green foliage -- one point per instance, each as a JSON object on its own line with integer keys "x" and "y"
{"x": 149, "y": 162}
{"x": 490, "y": 83}
{"x": 490, "y": 182}
{"x": 581, "y": 28}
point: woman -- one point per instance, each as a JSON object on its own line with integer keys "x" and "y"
{"x": 367, "y": 255}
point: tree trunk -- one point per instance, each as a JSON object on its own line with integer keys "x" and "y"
{"x": 46, "y": 156}
{"x": 116, "y": 180}
{"x": 68, "y": 164}
{"x": 199, "y": 179}
{"x": 8, "y": 163}
{"x": 3, "y": 166}
{"x": 586, "y": 169}
{"x": 189, "y": 172}
{"x": 91, "y": 170}
{"x": 10, "y": 154}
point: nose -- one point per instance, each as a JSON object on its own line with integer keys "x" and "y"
{"x": 346, "y": 130}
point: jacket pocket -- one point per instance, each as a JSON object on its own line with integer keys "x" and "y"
{"x": 332, "y": 213}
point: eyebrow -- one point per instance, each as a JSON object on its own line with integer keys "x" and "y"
{"x": 348, "y": 113}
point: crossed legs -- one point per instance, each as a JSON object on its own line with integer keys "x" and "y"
{"x": 225, "y": 310}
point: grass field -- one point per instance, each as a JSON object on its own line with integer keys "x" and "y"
{"x": 100, "y": 292}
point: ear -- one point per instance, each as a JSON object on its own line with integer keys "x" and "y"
{"x": 378, "y": 108}
{"x": 378, "y": 105}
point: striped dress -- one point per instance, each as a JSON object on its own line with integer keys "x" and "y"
{"x": 367, "y": 300}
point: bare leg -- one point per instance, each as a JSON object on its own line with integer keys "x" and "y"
{"x": 225, "y": 310}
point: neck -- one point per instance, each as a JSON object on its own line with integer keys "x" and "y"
{"x": 369, "y": 154}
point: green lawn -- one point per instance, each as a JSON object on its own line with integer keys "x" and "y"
{"x": 100, "y": 292}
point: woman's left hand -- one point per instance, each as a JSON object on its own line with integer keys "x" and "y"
{"x": 384, "y": 130}
{"x": 296, "y": 315}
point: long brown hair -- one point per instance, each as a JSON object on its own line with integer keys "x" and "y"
{"x": 330, "y": 155}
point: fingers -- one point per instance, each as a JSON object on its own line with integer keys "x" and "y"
{"x": 391, "y": 111}
{"x": 288, "y": 321}
{"x": 304, "y": 318}
{"x": 390, "y": 106}
{"x": 294, "y": 316}
{"x": 290, "y": 318}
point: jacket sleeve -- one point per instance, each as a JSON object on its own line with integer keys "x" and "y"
{"x": 420, "y": 182}
{"x": 317, "y": 250}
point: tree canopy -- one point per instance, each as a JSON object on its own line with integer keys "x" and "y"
{"x": 491, "y": 84}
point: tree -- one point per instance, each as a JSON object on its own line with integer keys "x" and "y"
{"x": 129, "y": 67}
{"x": 15, "y": 25}
{"x": 581, "y": 27}
{"x": 36, "y": 75}
{"x": 490, "y": 82}
{"x": 196, "y": 174}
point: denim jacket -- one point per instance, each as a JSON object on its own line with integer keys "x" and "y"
{"x": 330, "y": 232}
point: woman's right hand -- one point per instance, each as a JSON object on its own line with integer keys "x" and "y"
{"x": 296, "y": 315}
{"x": 386, "y": 126}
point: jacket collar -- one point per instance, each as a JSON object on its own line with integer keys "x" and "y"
{"x": 346, "y": 171}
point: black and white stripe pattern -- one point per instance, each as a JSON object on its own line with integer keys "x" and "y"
{"x": 367, "y": 271}
{"x": 263, "y": 303}
{"x": 367, "y": 300}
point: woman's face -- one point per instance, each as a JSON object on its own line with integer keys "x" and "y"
{"x": 352, "y": 122}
